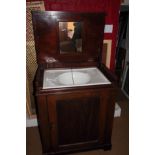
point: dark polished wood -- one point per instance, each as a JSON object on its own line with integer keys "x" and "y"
{"x": 72, "y": 119}
{"x": 80, "y": 119}
{"x": 43, "y": 122}
{"x": 79, "y": 116}
{"x": 46, "y": 32}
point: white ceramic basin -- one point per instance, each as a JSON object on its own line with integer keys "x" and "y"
{"x": 65, "y": 78}
{"x": 59, "y": 78}
{"x": 80, "y": 78}
{"x": 73, "y": 78}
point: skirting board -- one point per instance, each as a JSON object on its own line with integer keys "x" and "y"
{"x": 33, "y": 122}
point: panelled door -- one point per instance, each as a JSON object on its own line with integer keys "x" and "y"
{"x": 77, "y": 119}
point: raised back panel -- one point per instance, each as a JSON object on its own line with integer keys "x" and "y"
{"x": 46, "y": 32}
{"x": 78, "y": 120}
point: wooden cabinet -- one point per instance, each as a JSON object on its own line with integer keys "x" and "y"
{"x": 75, "y": 120}
{"x": 72, "y": 118}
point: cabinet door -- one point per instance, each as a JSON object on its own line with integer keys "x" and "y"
{"x": 77, "y": 120}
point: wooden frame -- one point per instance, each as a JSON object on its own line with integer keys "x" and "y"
{"x": 108, "y": 52}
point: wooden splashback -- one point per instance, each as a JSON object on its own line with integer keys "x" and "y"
{"x": 46, "y": 32}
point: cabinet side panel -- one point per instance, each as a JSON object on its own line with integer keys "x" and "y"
{"x": 43, "y": 122}
{"x": 109, "y": 118}
{"x": 78, "y": 120}
{"x": 102, "y": 114}
{"x": 52, "y": 121}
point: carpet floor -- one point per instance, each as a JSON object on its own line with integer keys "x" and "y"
{"x": 120, "y": 136}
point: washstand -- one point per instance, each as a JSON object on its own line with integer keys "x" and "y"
{"x": 75, "y": 93}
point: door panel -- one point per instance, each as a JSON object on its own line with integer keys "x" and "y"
{"x": 77, "y": 120}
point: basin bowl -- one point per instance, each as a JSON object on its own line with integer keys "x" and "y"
{"x": 80, "y": 78}
{"x": 74, "y": 78}
{"x": 65, "y": 78}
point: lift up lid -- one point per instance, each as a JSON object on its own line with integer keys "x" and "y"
{"x": 49, "y": 36}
